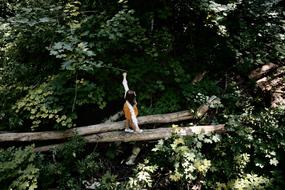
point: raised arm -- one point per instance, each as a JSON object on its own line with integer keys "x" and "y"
{"x": 125, "y": 83}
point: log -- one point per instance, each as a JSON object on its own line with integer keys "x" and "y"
{"x": 114, "y": 117}
{"x": 46, "y": 148}
{"x": 273, "y": 83}
{"x": 87, "y": 130}
{"x": 151, "y": 134}
{"x": 147, "y": 135}
{"x": 259, "y": 72}
{"x": 199, "y": 77}
{"x": 105, "y": 127}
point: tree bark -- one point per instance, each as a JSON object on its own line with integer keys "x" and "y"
{"x": 146, "y": 135}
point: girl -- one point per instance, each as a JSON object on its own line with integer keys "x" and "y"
{"x": 130, "y": 108}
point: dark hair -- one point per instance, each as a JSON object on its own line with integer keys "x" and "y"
{"x": 131, "y": 97}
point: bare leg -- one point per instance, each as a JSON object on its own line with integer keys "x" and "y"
{"x": 135, "y": 128}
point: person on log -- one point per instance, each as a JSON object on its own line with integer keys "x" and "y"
{"x": 130, "y": 108}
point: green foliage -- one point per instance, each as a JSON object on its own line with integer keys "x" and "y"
{"x": 61, "y": 64}
{"x": 51, "y": 102}
{"x": 259, "y": 34}
{"x": 167, "y": 103}
{"x": 8, "y": 94}
{"x": 23, "y": 55}
{"x": 217, "y": 15}
{"x": 198, "y": 94}
{"x": 178, "y": 160}
{"x": 71, "y": 13}
{"x": 108, "y": 182}
{"x": 187, "y": 163}
{"x": 70, "y": 166}
{"x": 123, "y": 25}
{"x": 251, "y": 152}
{"x": 76, "y": 54}
{"x": 249, "y": 181}
{"x": 142, "y": 178}
{"x": 162, "y": 46}
{"x": 17, "y": 169}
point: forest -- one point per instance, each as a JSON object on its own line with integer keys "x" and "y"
{"x": 209, "y": 80}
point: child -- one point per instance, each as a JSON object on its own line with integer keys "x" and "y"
{"x": 130, "y": 108}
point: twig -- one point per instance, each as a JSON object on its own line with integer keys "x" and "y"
{"x": 114, "y": 68}
{"x": 75, "y": 93}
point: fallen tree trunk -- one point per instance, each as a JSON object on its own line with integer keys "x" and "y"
{"x": 151, "y": 134}
{"x": 270, "y": 79}
{"x": 199, "y": 77}
{"x": 105, "y": 127}
{"x": 259, "y": 72}
{"x": 147, "y": 135}
{"x": 99, "y": 128}
{"x": 114, "y": 117}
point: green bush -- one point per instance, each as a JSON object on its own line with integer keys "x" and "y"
{"x": 176, "y": 162}
{"x": 251, "y": 152}
{"x": 70, "y": 166}
{"x": 18, "y": 169}
{"x": 61, "y": 65}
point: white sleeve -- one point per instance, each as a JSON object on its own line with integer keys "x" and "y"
{"x": 125, "y": 83}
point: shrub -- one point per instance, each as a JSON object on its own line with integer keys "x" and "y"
{"x": 17, "y": 169}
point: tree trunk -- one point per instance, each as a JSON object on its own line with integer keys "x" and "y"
{"x": 146, "y": 135}
{"x": 105, "y": 127}
{"x": 151, "y": 134}
{"x": 270, "y": 79}
{"x": 99, "y": 128}
{"x": 259, "y": 72}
